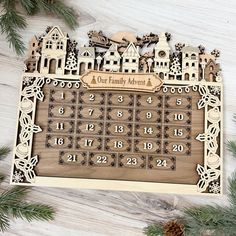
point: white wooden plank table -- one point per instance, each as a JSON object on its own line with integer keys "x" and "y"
{"x": 95, "y": 213}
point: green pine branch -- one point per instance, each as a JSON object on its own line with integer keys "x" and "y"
{"x": 12, "y": 196}
{"x": 2, "y": 177}
{"x": 4, "y": 151}
{"x": 231, "y": 146}
{"x": 58, "y": 8}
{"x": 13, "y": 204}
{"x": 232, "y": 191}
{"x": 4, "y": 222}
{"x": 213, "y": 219}
{"x": 31, "y": 211}
{"x": 217, "y": 220}
{"x": 154, "y": 230}
{"x": 12, "y": 21}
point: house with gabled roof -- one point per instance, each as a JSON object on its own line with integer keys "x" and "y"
{"x": 130, "y": 59}
{"x": 86, "y": 59}
{"x": 112, "y": 59}
{"x": 53, "y": 54}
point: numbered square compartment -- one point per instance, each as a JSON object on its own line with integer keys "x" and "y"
{"x": 118, "y": 129}
{"x": 119, "y": 114}
{"x": 118, "y": 99}
{"x": 59, "y": 141}
{"x": 149, "y": 101}
{"x": 177, "y": 132}
{"x": 178, "y": 102}
{"x": 118, "y": 144}
{"x": 177, "y": 148}
{"x": 94, "y": 98}
{"x": 149, "y": 116}
{"x": 89, "y": 127}
{"x": 61, "y": 126}
{"x": 148, "y": 131}
{"x": 88, "y": 143}
{"x": 89, "y": 112}
{"x": 147, "y": 145}
{"x": 72, "y": 158}
{"x": 102, "y": 160}
{"x": 62, "y": 96}
{"x": 161, "y": 162}
{"x": 178, "y": 117}
{"x": 132, "y": 161}
{"x": 61, "y": 111}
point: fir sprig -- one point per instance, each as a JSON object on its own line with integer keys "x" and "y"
{"x": 61, "y": 10}
{"x": 231, "y": 146}
{"x": 4, "y": 151}
{"x": 12, "y": 20}
{"x": 216, "y": 220}
{"x": 154, "y": 230}
{"x": 12, "y": 196}
{"x": 13, "y": 204}
{"x": 30, "y": 211}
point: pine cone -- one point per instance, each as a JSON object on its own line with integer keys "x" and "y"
{"x": 173, "y": 228}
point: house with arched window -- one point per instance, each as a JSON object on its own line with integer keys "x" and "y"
{"x": 162, "y": 57}
{"x": 190, "y": 63}
{"x": 54, "y": 52}
{"x": 86, "y": 59}
{"x": 211, "y": 70}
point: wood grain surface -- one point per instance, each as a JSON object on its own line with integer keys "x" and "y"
{"x": 93, "y": 213}
{"x": 184, "y": 166}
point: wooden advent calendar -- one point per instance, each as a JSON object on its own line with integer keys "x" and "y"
{"x": 124, "y": 113}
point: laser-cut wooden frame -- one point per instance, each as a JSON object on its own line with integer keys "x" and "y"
{"x": 207, "y": 82}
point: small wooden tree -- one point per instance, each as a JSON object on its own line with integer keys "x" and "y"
{"x": 71, "y": 63}
{"x": 175, "y": 67}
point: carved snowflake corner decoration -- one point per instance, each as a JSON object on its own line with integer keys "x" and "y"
{"x": 17, "y": 177}
{"x": 27, "y": 80}
{"x": 214, "y": 187}
{"x": 27, "y": 166}
{"x": 207, "y": 98}
{"x": 28, "y": 128}
{"x": 206, "y": 176}
{"x": 216, "y": 90}
{"x": 35, "y": 89}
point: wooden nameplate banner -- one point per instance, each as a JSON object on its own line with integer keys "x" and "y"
{"x": 123, "y": 113}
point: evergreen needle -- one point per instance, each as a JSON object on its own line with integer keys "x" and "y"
{"x": 4, "y": 151}
{"x": 11, "y": 21}
{"x": 231, "y": 146}
{"x": 2, "y": 177}
{"x": 216, "y": 220}
{"x": 12, "y": 204}
{"x": 4, "y": 222}
{"x": 154, "y": 230}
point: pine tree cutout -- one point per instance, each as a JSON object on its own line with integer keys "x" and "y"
{"x": 175, "y": 67}
{"x": 71, "y": 63}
